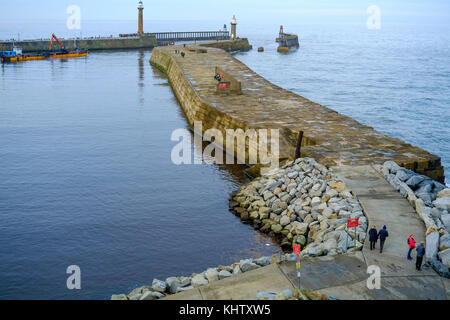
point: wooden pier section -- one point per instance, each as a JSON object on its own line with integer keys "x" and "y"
{"x": 176, "y": 36}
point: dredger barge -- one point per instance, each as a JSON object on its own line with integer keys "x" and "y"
{"x": 16, "y": 54}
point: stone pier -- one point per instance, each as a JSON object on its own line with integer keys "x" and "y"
{"x": 329, "y": 137}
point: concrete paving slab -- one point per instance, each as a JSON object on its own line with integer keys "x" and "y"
{"x": 392, "y": 288}
{"x": 327, "y": 271}
{"x": 247, "y": 285}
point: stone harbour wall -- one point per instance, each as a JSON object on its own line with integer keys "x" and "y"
{"x": 329, "y": 137}
{"x": 86, "y": 43}
{"x": 240, "y": 44}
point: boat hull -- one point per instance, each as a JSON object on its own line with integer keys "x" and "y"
{"x": 42, "y": 56}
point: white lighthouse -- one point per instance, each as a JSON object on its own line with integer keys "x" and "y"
{"x": 233, "y": 28}
{"x": 140, "y": 18}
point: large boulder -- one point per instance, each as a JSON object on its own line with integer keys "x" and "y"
{"x": 440, "y": 268}
{"x": 425, "y": 213}
{"x": 445, "y": 218}
{"x": 285, "y": 220}
{"x": 158, "y": 285}
{"x": 276, "y": 228}
{"x": 224, "y": 274}
{"x": 425, "y": 193}
{"x": 315, "y": 202}
{"x": 432, "y": 246}
{"x": 445, "y": 257}
{"x": 263, "y": 261}
{"x": 247, "y": 265}
{"x": 444, "y": 242}
{"x": 299, "y": 228}
{"x": 437, "y": 187}
{"x": 315, "y": 249}
{"x": 414, "y": 181}
{"x": 391, "y": 166}
{"x": 404, "y": 174}
{"x": 151, "y": 295}
{"x": 330, "y": 244}
{"x": 331, "y": 193}
{"x": 237, "y": 269}
{"x": 212, "y": 274}
{"x": 444, "y": 193}
{"x": 198, "y": 280}
{"x": 185, "y": 281}
{"x": 172, "y": 284}
{"x": 442, "y": 203}
{"x": 404, "y": 189}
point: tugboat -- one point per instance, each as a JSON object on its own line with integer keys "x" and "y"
{"x": 16, "y": 54}
{"x": 286, "y": 41}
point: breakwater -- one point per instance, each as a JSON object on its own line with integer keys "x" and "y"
{"x": 86, "y": 43}
{"x": 329, "y": 137}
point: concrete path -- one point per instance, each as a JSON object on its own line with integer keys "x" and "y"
{"x": 345, "y": 276}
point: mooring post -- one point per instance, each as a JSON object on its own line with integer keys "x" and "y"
{"x": 299, "y": 145}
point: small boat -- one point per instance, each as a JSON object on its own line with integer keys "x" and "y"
{"x": 16, "y": 54}
{"x": 286, "y": 41}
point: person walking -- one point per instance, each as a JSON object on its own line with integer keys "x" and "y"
{"x": 383, "y": 234}
{"x": 420, "y": 253}
{"x": 373, "y": 237}
{"x": 412, "y": 245}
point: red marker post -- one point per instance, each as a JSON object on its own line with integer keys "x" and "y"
{"x": 352, "y": 223}
{"x": 296, "y": 248}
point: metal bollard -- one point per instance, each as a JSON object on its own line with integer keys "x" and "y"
{"x": 299, "y": 145}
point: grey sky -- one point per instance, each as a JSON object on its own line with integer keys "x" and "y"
{"x": 20, "y": 10}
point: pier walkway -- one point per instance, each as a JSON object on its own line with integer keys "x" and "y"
{"x": 191, "y": 36}
{"x": 163, "y": 38}
{"x": 344, "y": 276}
{"x": 329, "y": 137}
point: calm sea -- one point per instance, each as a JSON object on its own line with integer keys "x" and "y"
{"x": 86, "y": 176}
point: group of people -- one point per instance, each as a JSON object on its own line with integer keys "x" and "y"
{"x": 181, "y": 53}
{"x": 420, "y": 251}
{"x": 374, "y": 235}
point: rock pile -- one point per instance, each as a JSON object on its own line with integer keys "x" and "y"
{"x": 302, "y": 202}
{"x": 172, "y": 285}
{"x": 431, "y": 200}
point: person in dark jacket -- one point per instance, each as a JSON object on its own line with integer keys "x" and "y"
{"x": 373, "y": 237}
{"x": 383, "y": 234}
{"x": 420, "y": 253}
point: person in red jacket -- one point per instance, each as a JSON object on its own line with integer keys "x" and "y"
{"x": 412, "y": 245}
